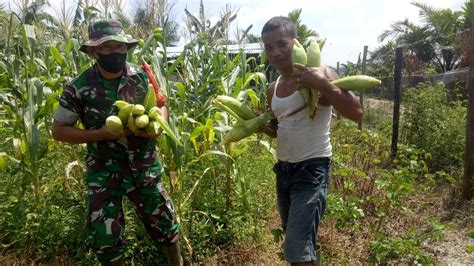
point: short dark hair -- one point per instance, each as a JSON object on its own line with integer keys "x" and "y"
{"x": 280, "y": 22}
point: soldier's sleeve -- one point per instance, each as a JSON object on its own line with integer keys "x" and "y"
{"x": 70, "y": 107}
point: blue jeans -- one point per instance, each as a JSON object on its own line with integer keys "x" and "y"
{"x": 301, "y": 196}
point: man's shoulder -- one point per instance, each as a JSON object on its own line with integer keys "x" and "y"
{"x": 84, "y": 78}
{"x": 135, "y": 70}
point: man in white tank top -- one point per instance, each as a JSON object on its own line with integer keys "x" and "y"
{"x": 303, "y": 143}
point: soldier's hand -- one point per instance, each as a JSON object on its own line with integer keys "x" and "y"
{"x": 106, "y": 134}
{"x": 142, "y": 133}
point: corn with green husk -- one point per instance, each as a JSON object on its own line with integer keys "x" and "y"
{"x": 357, "y": 82}
{"x": 311, "y": 96}
{"x": 298, "y": 54}
{"x": 321, "y": 43}
{"x": 150, "y": 98}
{"x": 234, "y": 107}
{"x": 245, "y": 128}
{"x": 156, "y": 116}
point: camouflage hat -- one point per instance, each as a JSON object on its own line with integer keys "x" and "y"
{"x": 107, "y": 30}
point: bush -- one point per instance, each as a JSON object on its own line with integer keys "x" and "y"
{"x": 435, "y": 125}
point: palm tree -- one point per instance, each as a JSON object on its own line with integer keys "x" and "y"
{"x": 444, "y": 24}
{"x": 302, "y": 31}
{"x": 350, "y": 69}
{"x": 381, "y": 62}
{"x": 436, "y": 42}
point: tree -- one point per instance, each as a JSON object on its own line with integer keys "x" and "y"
{"x": 302, "y": 31}
{"x": 31, "y": 13}
{"x": 150, "y": 14}
{"x": 200, "y": 27}
{"x": 381, "y": 60}
{"x": 436, "y": 42}
{"x": 444, "y": 24}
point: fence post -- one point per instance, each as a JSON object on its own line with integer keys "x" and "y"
{"x": 361, "y": 94}
{"x": 468, "y": 179}
{"x": 396, "y": 99}
{"x": 337, "y": 68}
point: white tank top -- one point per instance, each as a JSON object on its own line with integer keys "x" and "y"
{"x": 298, "y": 136}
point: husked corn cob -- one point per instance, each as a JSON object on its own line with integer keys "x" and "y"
{"x": 124, "y": 112}
{"x": 357, "y": 82}
{"x": 131, "y": 124}
{"x": 120, "y": 104}
{"x": 142, "y": 121}
{"x": 138, "y": 109}
{"x": 234, "y": 107}
{"x": 245, "y": 128}
{"x": 114, "y": 123}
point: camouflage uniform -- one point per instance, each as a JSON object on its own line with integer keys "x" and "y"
{"x": 128, "y": 166}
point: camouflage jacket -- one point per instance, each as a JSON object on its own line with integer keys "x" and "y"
{"x": 90, "y": 98}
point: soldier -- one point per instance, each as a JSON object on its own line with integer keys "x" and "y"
{"x": 118, "y": 164}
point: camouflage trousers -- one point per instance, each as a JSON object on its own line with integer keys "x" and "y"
{"x": 108, "y": 182}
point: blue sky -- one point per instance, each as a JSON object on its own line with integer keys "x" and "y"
{"x": 348, "y": 25}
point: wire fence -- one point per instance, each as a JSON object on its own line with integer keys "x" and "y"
{"x": 455, "y": 81}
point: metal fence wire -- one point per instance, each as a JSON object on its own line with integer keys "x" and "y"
{"x": 455, "y": 81}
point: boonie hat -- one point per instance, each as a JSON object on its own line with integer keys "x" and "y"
{"x": 105, "y": 30}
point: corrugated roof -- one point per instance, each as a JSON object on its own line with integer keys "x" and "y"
{"x": 249, "y": 48}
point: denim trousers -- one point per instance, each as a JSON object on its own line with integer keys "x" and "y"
{"x": 301, "y": 197}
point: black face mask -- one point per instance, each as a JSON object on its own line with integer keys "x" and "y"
{"x": 112, "y": 63}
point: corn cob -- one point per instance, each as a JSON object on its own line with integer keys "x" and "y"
{"x": 298, "y": 54}
{"x": 120, "y": 104}
{"x": 150, "y": 98}
{"x": 138, "y": 109}
{"x": 357, "y": 82}
{"x": 321, "y": 43}
{"x": 234, "y": 107}
{"x": 153, "y": 111}
{"x": 310, "y": 96}
{"x": 245, "y": 128}
{"x": 125, "y": 112}
{"x": 165, "y": 126}
{"x": 114, "y": 123}
{"x": 131, "y": 124}
{"x": 152, "y": 127}
{"x": 142, "y": 121}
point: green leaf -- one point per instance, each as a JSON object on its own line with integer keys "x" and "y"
{"x": 469, "y": 249}
{"x": 56, "y": 55}
{"x": 470, "y": 234}
{"x": 28, "y": 35}
{"x": 277, "y": 234}
{"x": 166, "y": 127}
